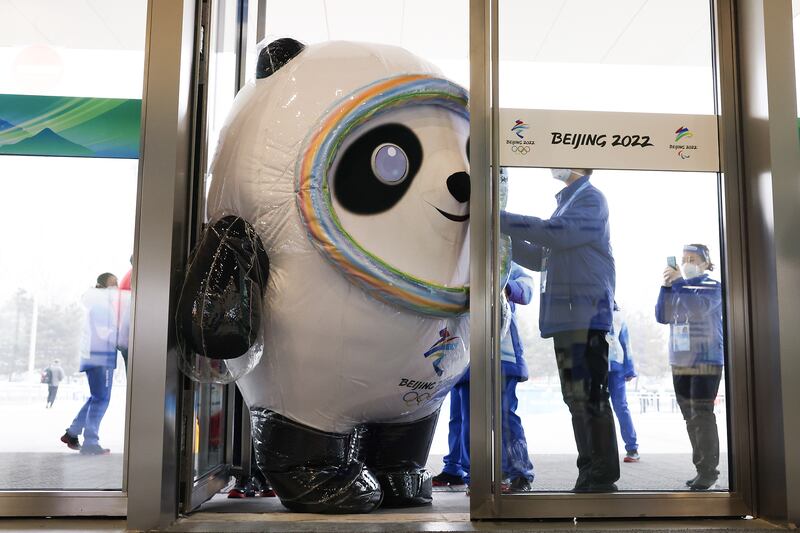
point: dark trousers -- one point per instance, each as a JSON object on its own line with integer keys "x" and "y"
{"x": 51, "y": 394}
{"x": 582, "y": 358}
{"x": 695, "y": 394}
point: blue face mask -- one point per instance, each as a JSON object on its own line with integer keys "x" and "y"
{"x": 561, "y": 174}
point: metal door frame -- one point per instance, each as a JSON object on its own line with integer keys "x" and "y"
{"x": 760, "y": 200}
{"x": 162, "y": 232}
{"x": 486, "y": 502}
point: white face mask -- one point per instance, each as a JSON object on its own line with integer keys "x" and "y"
{"x": 561, "y": 174}
{"x": 690, "y": 270}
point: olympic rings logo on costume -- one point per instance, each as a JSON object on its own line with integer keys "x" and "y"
{"x": 414, "y": 397}
{"x": 520, "y": 149}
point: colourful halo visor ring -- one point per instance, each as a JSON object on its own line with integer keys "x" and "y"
{"x": 313, "y": 193}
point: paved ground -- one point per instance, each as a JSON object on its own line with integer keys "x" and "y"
{"x": 32, "y": 457}
{"x": 32, "y": 428}
{"x": 60, "y": 471}
{"x": 72, "y": 471}
{"x": 658, "y": 472}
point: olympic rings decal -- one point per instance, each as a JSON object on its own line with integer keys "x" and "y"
{"x": 413, "y": 397}
{"x": 520, "y": 149}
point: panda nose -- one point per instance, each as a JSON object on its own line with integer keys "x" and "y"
{"x": 458, "y": 185}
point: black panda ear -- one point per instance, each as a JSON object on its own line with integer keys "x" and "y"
{"x": 276, "y": 54}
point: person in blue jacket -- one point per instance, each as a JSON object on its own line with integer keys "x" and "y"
{"x": 517, "y": 467}
{"x": 572, "y": 250}
{"x": 456, "y": 462}
{"x": 621, "y": 371}
{"x": 98, "y": 361}
{"x": 691, "y": 303}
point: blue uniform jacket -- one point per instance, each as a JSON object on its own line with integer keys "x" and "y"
{"x": 519, "y": 290}
{"x": 99, "y": 342}
{"x": 696, "y": 302}
{"x": 626, "y": 368}
{"x": 576, "y": 242}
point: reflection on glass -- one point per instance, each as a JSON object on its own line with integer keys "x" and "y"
{"x": 209, "y": 444}
{"x": 209, "y": 412}
{"x": 518, "y": 473}
{"x": 635, "y": 399}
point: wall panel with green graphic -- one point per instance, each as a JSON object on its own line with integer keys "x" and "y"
{"x": 69, "y": 126}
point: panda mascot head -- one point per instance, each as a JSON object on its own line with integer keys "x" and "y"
{"x": 339, "y": 201}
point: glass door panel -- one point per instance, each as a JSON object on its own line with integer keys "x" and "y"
{"x": 209, "y": 429}
{"x": 613, "y": 377}
{"x": 415, "y": 27}
{"x": 667, "y": 388}
{"x": 67, "y": 228}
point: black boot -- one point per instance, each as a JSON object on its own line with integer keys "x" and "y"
{"x": 313, "y": 471}
{"x": 397, "y": 454}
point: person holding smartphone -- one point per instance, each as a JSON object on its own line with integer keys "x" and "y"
{"x": 690, "y": 302}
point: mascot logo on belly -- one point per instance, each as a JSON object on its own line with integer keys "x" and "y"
{"x": 333, "y": 266}
{"x": 438, "y": 351}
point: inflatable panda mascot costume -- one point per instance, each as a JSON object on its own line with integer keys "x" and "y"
{"x": 337, "y": 244}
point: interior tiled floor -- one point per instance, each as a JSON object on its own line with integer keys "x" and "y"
{"x": 391, "y": 522}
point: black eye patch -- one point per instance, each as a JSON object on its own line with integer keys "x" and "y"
{"x": 355, "y": 185}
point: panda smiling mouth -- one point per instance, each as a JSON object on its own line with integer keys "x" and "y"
{"x": 450, "y": 216}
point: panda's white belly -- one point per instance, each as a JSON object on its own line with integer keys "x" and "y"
{"x": 335, "y": 357}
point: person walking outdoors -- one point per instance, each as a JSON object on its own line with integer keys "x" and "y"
{"x": 55, "y": 375}
{"x": 98, "y": 361}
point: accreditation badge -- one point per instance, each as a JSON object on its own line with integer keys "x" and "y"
{"x": 681, "y": 342}
{"x": 543, "y": 276}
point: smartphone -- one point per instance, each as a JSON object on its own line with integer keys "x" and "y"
{"x": 672, "y": 262}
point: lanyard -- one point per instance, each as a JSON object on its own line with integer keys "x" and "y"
{"x": 560, "y": 210}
